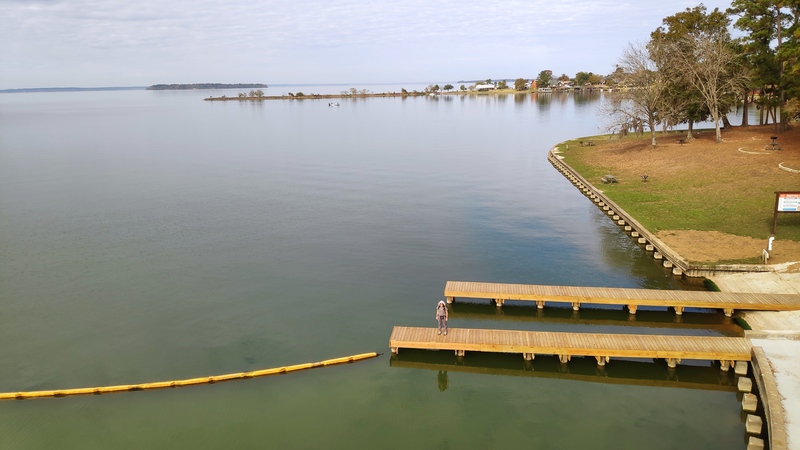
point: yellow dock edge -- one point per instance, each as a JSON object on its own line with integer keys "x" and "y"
{"x": 180, "y": 383}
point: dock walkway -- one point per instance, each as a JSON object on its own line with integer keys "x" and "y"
{"x": 602, "y": 347}
{"x": 632, "y": 298}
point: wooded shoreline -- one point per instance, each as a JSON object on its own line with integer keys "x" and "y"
{"x": 370, "y": 95}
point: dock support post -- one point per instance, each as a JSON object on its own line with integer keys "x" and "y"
{"x": 632, "y": 309}
{"x": 540, "y": 304}
{"x": 460, "y": 353}
{"x": 749, "y": 402}
{"x": 679, "y": 310}
{"x": 576, "y": 306}
{"x": 564, "y": 358}
{"x": 740, "y": 368}
{"x": 528, "y": 356}
{"x": 602, "y": 360}
{"x": 450, "y": 300}
{"x": 395, "y": 350}
{"x": 755, "y": 443}
{"x": 673, "y": 362}
{"x": 728, "y": 312}
{"x": 744, "y": 385}
{"x": 498, "y": 302}
{"x": 754, "y": 424}
{"x": 724, "y": 365}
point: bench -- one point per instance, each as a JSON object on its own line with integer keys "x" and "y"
{"x": 609, "y": 179}
{"x": 586, "y": 143}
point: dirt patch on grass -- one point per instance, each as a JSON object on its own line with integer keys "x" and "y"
{"x": 742, "y": 148}
{"x": 713, "y": 246}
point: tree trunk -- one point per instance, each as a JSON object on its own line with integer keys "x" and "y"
{"x": 744, "y": 110}
{"x": 716, "y": 119}
{"x": 651, "y": 124}
{"x": 689, "y": 136}
{"x": 782, "y": 95}
{"x": 726, "y": 122}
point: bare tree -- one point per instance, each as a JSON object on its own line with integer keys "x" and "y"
{"x": 637, "y": 104}
{"x": 711, "y": 68}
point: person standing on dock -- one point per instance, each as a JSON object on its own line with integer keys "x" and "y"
{"x": 441, "y": 317}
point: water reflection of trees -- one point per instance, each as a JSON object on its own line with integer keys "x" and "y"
{"x": 543, "y": 100}
{"x": 585, "y": 98}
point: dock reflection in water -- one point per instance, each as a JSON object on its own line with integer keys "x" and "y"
{"x": 646, "y": 320}
{"x": 656, "y": 373}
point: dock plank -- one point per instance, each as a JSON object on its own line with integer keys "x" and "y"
{"x": 624, "y": 296}
{"x": 574, "y": 344}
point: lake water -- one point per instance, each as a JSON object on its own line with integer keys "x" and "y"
{"x": 150, "y": 236}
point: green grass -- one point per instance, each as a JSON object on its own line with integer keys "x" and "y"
{"x": 726, "y": 198}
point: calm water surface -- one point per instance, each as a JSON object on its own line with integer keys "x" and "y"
{"x": 150, "y": 236}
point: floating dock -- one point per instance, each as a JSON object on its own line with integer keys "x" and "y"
{"x": 728, "y": 302}
{"x": 727, "y": 350}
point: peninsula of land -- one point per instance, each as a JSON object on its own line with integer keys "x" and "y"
{"x": 196, "y": 86}
{"x": 366, "y": 94}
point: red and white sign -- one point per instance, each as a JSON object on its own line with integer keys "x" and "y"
{"x": 788, "y": 202}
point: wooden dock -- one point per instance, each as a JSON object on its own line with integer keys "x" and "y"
{"x": 602, "y": 347}
{"x": 632, "y": 298}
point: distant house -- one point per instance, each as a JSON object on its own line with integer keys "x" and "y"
{"x": 484, "y": 87}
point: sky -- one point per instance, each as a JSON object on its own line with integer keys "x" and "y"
{"x": 102, "y": 43}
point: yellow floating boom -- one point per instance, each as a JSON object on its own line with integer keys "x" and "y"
{"x": 181, "y": 383}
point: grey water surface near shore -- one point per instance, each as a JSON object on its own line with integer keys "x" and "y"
{"x": 149, "y": 236}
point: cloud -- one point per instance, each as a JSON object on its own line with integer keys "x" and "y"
{"x": 298, "y": 38}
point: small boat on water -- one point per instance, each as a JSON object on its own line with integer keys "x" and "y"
{"x": 333, "y": 104}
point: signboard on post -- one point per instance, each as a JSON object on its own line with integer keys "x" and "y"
{"x": 785, "y": 202}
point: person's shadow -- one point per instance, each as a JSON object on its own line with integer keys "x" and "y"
{"x": 442, "y": 380}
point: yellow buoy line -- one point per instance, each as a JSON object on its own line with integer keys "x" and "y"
{"x": 181, "y": 383}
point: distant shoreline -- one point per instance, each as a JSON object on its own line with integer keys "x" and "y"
{"x": 198, "y": 86}
{"x": 368, "y": 95}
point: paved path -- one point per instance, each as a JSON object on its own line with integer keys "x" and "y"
{"x": 779, "y": 336}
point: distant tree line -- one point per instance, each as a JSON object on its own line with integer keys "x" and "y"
{"x": 692, "y": 69}
{"x": 174, "y": 87}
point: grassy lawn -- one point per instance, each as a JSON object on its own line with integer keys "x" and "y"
{"x": 704, "y": 186}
